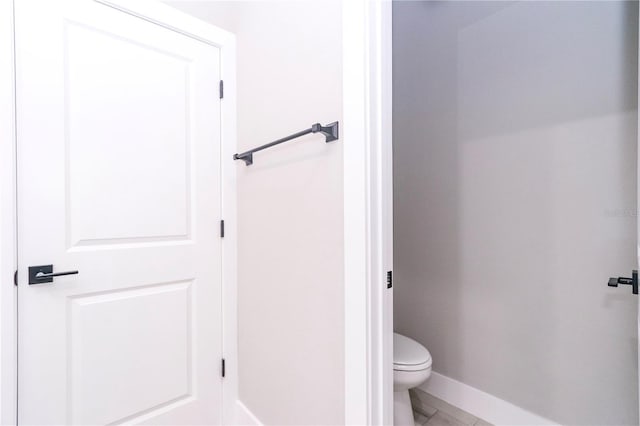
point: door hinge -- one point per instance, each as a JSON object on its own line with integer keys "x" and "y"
{"x": 223, "y": 368}
{"x": 15, "y": 278}
{"x": 221, "y": 89}
{"x": 389, "y": 279}
{"x": 222, "y": 229}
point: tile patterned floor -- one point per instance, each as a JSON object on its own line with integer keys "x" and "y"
{"x": 431, "y": 411}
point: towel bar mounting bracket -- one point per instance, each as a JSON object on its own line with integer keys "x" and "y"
{"x": 330, "y": 131}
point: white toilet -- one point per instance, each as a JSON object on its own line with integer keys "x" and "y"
{"x": 411, "y": 368}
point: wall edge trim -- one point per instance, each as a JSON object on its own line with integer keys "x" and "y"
{"x": 244, "y": 416}
{"x": 479, "y": 403}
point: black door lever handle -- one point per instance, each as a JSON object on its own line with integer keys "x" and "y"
{"x": 633, "y": 281}
{"x": 44, "y": 274}
{"x": 41, "y": 275}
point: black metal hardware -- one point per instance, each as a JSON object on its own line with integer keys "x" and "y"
{"x": 223, "y": 368}
{"x": 222, "y": 229}
{"x": 221, "y": 89}
{"x": 330, "y": 131}
{"x": 44, "y": 274}
{"x": 633, "y": 281}
{"x": 389, "y": 279}
{"x": 15, "y": 278}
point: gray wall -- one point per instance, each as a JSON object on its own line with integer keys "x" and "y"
{"x": 290, "y": 208}
{"x": 515, "y": 199}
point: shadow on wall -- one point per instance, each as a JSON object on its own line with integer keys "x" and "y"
{"x": 514, "y": 199}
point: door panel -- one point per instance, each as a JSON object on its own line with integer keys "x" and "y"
{"x": 118, "y": 178}
{"x": 127, "y": 180}
{"x": 104, "y": 347}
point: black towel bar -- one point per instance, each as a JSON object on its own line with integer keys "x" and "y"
{"x": 330, "y": 131}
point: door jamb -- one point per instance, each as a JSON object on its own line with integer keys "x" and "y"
{"x": 368, "y": 204}
{"x": 8, "y": 243}
{"x": 174, "y": 20}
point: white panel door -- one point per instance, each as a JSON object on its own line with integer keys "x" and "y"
{"x": 119, "y": 179}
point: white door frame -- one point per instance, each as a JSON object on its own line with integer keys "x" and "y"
{"x": 174, "y": 20}
{"x": 8, "y": 255}
{"x": 368, "y": 215}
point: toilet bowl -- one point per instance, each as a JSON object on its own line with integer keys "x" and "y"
{"x": 411, "y": 368}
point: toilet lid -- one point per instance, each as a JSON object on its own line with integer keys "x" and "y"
{"x": 408, "y": 352}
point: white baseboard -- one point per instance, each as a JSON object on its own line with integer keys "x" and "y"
{"x": 244, "y": 417}
{"x": 481, "y": 404}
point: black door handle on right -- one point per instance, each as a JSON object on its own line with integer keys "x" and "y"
{"x": 633, "y": 281}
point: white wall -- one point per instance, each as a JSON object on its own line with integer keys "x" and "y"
{"x": 515, "y": 170}
{"x": 290, "y": 208}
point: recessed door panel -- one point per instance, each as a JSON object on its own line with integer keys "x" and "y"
{"x": 126, "y": 182}
{"x": 135, "y": 346}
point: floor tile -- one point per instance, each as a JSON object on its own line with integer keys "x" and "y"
{"x": 443, "y": 419}
{"x": 420, "y": 406}
{"x": 481, "y": 422}
{"x": 431, "y": 401}
{"x": 420, "y": 419}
